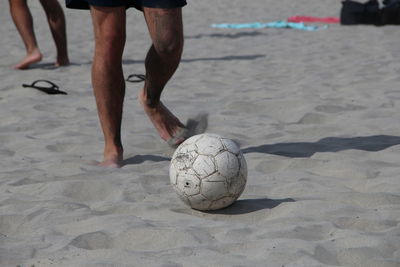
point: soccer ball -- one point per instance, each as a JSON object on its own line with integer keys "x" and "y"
{"x": 208, "y": 172}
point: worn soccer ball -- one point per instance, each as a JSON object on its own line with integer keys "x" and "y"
{"x": 208, "y": 172}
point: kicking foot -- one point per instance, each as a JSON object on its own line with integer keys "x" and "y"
{"x": 167, "y": 125}
{"x": 179, "y": 137}
{"x": 30, "y": 58}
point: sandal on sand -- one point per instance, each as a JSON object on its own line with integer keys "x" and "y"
{"x": 179, "y": 137}
{"x": 52, "y": 89}
{"x": 136, "y": 78}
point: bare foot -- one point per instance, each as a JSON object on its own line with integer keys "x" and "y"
{"x": 112, "y": 158}
{"x": 110, "y": 163}
{"x": 162, "y": 118}
{"x": 29, "y": 59}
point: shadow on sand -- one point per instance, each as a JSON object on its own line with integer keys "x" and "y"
{"x": 189, "y": 60}
{"x": 328, "y": 144}
{"x": 138, "y": 159}
{"x": 196, "y": 125}
{"x": 244, "y": 206}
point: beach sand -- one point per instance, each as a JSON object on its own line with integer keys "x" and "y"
{"x": 316, "y": 115}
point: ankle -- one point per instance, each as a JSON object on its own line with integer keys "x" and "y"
{"x": 62, "y": 62}
{"x": 33, "y": 51}
{"x": 113, "y": 151}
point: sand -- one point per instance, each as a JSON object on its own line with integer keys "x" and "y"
{"x": 316, "y": 115}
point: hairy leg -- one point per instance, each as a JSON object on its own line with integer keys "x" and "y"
{"x": 23, "y": 21}
{"x": 56, "y": 19}
{"x": 166, "y": 31}
{"x": 107, "y": 77}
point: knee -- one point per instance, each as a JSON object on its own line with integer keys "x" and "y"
{"x": 110, "y": 43}
{"x": 171, "y": 46}
{"x": 110, "y": 37}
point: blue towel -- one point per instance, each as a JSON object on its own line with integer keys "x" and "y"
{"x": 274, "y": 24}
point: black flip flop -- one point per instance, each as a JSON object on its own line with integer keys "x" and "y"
{"x": 136, "y": 78}
{"x": 52, "y": 89}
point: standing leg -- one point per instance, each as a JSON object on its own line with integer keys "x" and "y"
{"x": 166, "y": 31}
{"x": 107, "y": 77}
{"x": 56, "y": 19}
{"x": 23, "y": 21}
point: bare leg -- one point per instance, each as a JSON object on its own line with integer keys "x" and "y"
{"x": 166, "y": 31}
{"x": 107, "y": 77}
{"x": 23, "y": 21}
{"x": 56, "y": 19}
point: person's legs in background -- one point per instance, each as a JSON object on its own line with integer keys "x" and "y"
{"x": 23, "y": 21}
{"x": 56, "y": 20}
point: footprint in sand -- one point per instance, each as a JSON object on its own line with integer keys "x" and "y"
{"x": 91, "y": 241}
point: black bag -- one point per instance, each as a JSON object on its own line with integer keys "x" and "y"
{"x": 390, "y": 12}
{"x": 353, "y": 12}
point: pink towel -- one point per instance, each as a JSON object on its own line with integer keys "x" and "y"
{"x": 313, "y": 19}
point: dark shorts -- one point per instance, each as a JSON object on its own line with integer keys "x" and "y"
{"x": 84, "y": 4}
